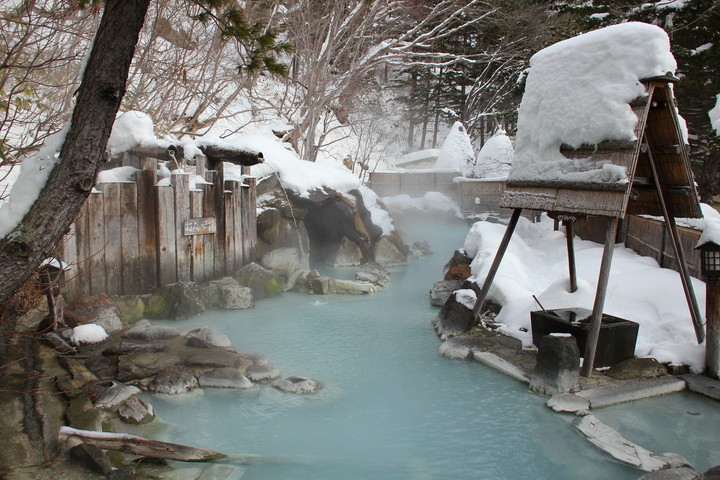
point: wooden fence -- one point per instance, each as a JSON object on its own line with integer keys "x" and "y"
{"x": 132, "y": 237}
{"x": 415, "y": 184}
{"x": 648, "y": 237}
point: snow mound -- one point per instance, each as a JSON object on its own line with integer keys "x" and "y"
{"x": 639, "y": 290}
{"x": 577, "y": 93}
{"x": 89, "y": 333}
{"x": 457, "y": 151}
{"x": 378, "y": 214}
{"x": 495, "y": 157}
{"x": 130, "y": 129}
{"x": 295, "y": 174}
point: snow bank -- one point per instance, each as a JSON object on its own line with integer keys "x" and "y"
{"x": 430, "y": 202}
{"x": 456, "y": 151}
{"x": 495, "y": 157}
{"x": 89, "y": 333}
{"x": 715, "y": 116}
{"x": 30, "y": 181}
{"x": 577, "y": 93}
{"x": 638, "y": 290}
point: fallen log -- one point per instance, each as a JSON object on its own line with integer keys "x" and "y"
{"x": 141, "y": 446}
{"x": 134, "y": 445}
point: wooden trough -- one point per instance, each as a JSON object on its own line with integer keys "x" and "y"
{"x": 660, "y": 183}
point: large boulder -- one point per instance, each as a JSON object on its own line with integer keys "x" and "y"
{"x": 100, "y": 310}
{"x": 263, "y": 282}
{"x": 454, "y": 317}
{"x": 441, "y": 291}
{"x": 262, "y": 372}
{"x": 177, "y": 300}
{"x": 285, "y": 261}
{"x": 346, "y": 254}
{"x": 173, "y": 380}
{"x": 388, "y": 254}
{"x": 558, "y": 366}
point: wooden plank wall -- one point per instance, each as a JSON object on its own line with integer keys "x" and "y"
{"x": 648, "y": 237}
{"x": 129, "y": 237}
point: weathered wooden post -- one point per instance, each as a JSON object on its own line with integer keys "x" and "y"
{"x": 710, "y": 269}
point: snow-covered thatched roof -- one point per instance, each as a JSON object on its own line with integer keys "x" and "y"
{"x": 589, "y": 105}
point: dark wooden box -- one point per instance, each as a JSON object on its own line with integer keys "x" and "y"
{"x": 617, "y": 336}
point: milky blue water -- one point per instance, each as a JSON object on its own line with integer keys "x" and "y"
{"x": 390, "y": 406}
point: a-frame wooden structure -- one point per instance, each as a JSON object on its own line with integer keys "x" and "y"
{"x": 660, "y": 183}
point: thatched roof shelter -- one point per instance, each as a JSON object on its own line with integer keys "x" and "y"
{"x": 599, "y": 134}
{"x": 659, "y": 137}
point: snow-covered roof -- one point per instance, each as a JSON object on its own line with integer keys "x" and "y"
{"x": 589, "y": 105}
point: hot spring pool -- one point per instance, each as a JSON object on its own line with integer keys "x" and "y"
{"x": 390, "y": 406}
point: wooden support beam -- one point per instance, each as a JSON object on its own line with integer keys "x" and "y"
{"x": 587, "y": 186}
{"x": 677, "y": 248}
{"x": 600, "y": 294}
{"x": 569, "y": 236}
{"x": 477, "y": 309}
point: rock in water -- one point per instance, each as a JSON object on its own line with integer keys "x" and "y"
{"x": 558, "y": 366}
{"x": 263, "y": 282}
{"x": 373, "y": 273}
{"x": 226, "y": 377}
{"x": 453, "y": 318}
{"x": 173, "y": 380}
{"x": 299, "y": 385}
{"x": 262, "y": 372}
{"x": 206, "y": 337}
{"x": 441, "y": 291}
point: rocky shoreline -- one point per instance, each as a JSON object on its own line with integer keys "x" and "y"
{"x": 77, "y": 379}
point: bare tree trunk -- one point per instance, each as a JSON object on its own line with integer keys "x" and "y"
{"x": 72, "y": 179}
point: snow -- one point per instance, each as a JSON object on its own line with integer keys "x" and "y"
{"x": 430, "y": 202}
{"x": 379, "y": 216}
{"x": 130, "y": 129}
{"x": 33, "y": 175}
{"x": 495, "y": 157}
{"x": 295, "y": 174}
{"x": 577, "y": 92}
{"x": 117, "y": 175}
{"x": 456, "y": 151}
{"x": 466, "y": 297}
{"x": 89, "y": 333}
{"x": 715, "y": 115}
{"x": 639, "y": 290}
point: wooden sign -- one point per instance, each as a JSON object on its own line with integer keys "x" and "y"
{"x": 200, "y": 226}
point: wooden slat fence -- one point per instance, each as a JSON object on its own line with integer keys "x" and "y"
{"x": 132, "y": 237}
{"x": 648, "y": 237}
